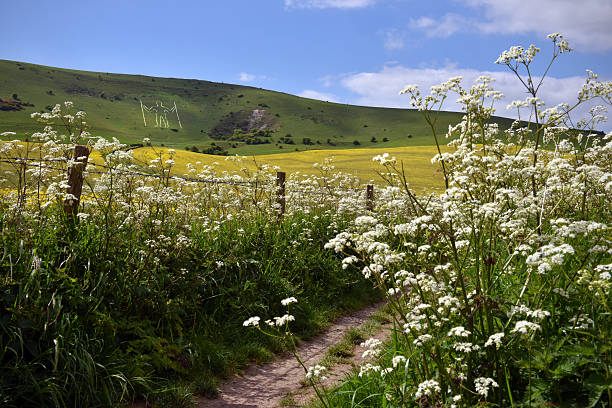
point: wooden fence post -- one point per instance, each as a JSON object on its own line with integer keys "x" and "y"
{"x": 75, "y": 182}
{"x": 22, "y": 186}
{"x": 280, "y": 193}
{"x": 370, "y": 197}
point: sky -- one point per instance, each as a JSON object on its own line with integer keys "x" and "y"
{"x": 349, "y": 51}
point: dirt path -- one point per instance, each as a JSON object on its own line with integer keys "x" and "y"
{"x": 265, "y": 386}
{"x": 339, "y": 371}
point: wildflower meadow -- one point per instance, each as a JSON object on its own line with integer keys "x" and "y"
{"x": 147, "y": 285}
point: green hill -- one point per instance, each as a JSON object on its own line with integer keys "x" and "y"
{"x": 214, "y": 117}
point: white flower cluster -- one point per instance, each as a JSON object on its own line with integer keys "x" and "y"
{"x": 581, "y": 322}
{"x": 252, "y": 321}
{"x": 459, "y": 331}
{"x": 288, "y": 301}
{"x": 422, "y": 339}
{"x": 427, "y": 388}
{"x": 518, "y": 54}
{"x": 483, "y": 385}
{"x": 495, "y": 340}
{"x": 384, "y": 159}
{"x": 367, "y": 368}
{"x": 525, "y": 327}
{"x": 598, "y": 280}
{"x": 280, "y": 321}
{"x": 374, "y": 348}
{"x": 466, "y": 347}
{"x": 316, "y": 373}
{"x": 397, "y": 360}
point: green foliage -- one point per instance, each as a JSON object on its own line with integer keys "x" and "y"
{"x": 96, "y": 324}
{"x": 217, "y": 150}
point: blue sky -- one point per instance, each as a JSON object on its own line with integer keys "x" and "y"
{"x": 351, "y": 51}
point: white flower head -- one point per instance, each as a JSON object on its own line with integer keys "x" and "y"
{"x": 495, "y": 340}
{"x": 397, "y": 360}
{"x": 316, "y": 373}
{"x": 252, "y": 321}
{"x": 283, "y": 320}
{"x": 427, "y": 388}
{"x": 459, "y": 331}
{"x": 483, "y": 384}
{"x": 524, "y": 327}
{"x": 288, "y": 301}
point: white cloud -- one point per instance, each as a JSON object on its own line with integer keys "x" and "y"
{"x": 394, "y": 40}
{"x": 328, "y": 80}
{"x": 382, "y": 88}
{"x": 448, "y": 25}
{"x": 586, "y": 23}
{"x": 244, "y": 77}
{"x": 311, "y": 94}
{"x": 323, "y": 4}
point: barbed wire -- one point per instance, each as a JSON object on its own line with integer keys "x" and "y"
{"x": 26, "y": 159}
{"x": 169, "y": 177}
{"x": 38, "y": 167}
{"x": 346, "y": 189}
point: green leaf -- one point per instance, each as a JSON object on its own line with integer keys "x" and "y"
{"x": 568, "y": 366}
{"x": 595, "y": 385}
{"x": 582, "y": 349}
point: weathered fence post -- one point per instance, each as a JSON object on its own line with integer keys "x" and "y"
{"x": 75, "y": 182}
{"x": 22, "y": 186}
{"x": 370, "y": 197}
{"x": 280, "y": 193}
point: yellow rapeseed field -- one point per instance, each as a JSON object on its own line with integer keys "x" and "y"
{"x": 421, "y": 173}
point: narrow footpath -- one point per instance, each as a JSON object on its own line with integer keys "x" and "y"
{"x": 264, "y": 386}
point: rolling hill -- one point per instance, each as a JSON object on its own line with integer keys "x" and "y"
{"x": 214, "y": 117}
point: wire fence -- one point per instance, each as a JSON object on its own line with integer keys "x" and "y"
{"x": 279, "y": 183}
{"x": 123, "y": 171}
{"x": 25, "y": 160}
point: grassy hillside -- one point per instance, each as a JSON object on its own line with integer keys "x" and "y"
{"x": 205, "y": 109}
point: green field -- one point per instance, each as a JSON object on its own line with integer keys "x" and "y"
{"x": 113, "y": 105}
